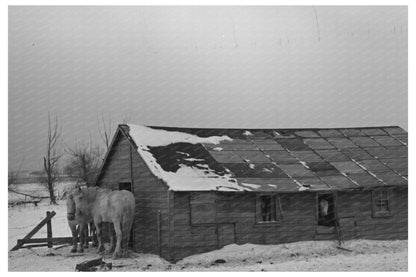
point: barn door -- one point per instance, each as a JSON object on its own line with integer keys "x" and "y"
{"x": 348, "y": 227}
{"x": 127, "y": 186}
{"x": 225, "y": 234}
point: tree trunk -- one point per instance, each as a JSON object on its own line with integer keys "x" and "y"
{"x": 52, "y": 193}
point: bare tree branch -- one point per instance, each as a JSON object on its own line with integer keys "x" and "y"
{"x": 104, "y": 128}
{"x": 84, "y": 163}
{"x": 50, "y": 160}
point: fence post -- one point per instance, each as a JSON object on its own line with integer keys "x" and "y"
{"x": 159, "y": 230}
{"x": 49, "y": 229}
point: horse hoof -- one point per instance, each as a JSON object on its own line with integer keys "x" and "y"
{"x": 73, "y": 251}
{"x": 81, "y": 251}
{"x": 116, "y": 255}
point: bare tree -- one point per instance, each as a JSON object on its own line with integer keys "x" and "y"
{"x": 50, "y": 160}
{"x": 104, "y": 128}
{"x": 84, "y": 162}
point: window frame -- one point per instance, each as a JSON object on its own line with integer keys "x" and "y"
{"x": 376, "y": 196}
{"x": 335, "y": 207}
{"x": 278, "y": 209}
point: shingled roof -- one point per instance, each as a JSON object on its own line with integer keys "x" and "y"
{"x": 279, "y": 160}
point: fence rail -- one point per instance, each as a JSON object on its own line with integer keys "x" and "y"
{"x": 49, "y": 241}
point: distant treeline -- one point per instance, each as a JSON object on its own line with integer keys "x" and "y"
{"x": 35, "y": 177}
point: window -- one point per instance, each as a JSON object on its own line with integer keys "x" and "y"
{"x": 380, "y": 203}
{"x": 268, "y": 209}
{"x": 124, "y": 186}
{"x": 326, "y": 209}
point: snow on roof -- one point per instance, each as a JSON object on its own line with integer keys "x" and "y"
{"x": 156, "y": 137}
{"x": 192, "y": 178}
{"x": 287, "y": 159}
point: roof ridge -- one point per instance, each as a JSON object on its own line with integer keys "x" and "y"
{"x": 269, "y": 129}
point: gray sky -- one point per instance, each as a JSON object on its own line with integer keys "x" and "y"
{"x": 253, "y": 67}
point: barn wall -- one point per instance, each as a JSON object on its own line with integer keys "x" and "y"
{"x": 151, "y": 210}
{"x": 235, "y": 220}
{"x": 117, "y": 167}
{"x": 356, "y": 208}
{"x": 125, "y": 165}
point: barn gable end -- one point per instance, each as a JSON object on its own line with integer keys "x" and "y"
{"x": 123, "y": 166}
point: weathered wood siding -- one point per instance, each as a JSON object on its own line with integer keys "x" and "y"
{"x": 235, "y": 220}
{"x": 178, "y": 224}
{"x": 151, "y": 216}
{"x": 151, "y": 225}
{"x": 117, "y": 167}
{"x": 357, "y": 208}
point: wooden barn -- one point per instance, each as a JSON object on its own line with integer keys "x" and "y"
{"x": 198, "y": 190}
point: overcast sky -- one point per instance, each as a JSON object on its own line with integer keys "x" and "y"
{"x": 253, "y": 67}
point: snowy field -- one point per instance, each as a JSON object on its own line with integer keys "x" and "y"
{"x": 365, "y": 255}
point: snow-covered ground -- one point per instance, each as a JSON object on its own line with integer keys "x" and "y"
{"x": 23, "y": 218}
{"x": 365, "y": 255}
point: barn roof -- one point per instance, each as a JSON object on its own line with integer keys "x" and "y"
{"x": 195, "y": 159}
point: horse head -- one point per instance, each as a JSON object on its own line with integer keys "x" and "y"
{"x": 70, "y": 207}
{"x": 83, "y": 200}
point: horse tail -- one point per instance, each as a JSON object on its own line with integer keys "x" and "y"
{"x": 126, "y": 224}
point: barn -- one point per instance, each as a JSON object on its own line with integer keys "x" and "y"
{"x": 198, "y": 190}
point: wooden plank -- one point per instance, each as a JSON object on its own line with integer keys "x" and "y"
{"x": 87, "y": 265}
{"x": 171, "y": 223}
{"x": 57, "y": 240}
{"x": 35, "y": 230}
{"x": 49, "y": 229}
{"x": 35, "y": 245}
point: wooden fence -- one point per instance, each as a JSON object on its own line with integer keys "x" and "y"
{"x": 49, "y": 241}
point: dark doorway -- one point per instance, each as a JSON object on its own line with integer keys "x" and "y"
{"x": 127, "y": 186}
{"x": 124, "y": 186}
{"x": 326, "y": 210}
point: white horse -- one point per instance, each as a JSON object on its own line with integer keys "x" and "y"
{"x": 104, "y": 205}
{"x": 77, "y": 230}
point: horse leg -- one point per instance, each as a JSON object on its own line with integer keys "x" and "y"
{"x": 117, "y": 228}
{"x": 127, "y": 223}
{"x": 81, "y": 237}
{"x": 86, "y": 234}
{"x": 99, "y": 237}
{"x": 74, "y": 233}
{"x": 93, "y": 232}
{"x": 111, "y": 234}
